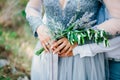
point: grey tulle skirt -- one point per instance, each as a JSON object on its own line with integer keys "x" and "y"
{"x": 48, "y": 66}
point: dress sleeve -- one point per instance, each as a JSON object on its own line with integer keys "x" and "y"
{"x": 93, "y": 49}
{"x": 34, "y": 14}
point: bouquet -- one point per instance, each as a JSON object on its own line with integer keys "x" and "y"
{"x": 78, "y": 31}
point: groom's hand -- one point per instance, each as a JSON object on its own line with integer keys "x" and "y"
{"x": 63, "y": 47}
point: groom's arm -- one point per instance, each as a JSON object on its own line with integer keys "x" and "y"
{"x": 112, "y": 26}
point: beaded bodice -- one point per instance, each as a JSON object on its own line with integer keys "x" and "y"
{"x": 54, "y": 10}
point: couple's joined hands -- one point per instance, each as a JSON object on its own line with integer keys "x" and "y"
{"x": 62, "y": 47}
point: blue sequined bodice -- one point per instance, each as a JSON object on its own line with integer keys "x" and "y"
{"x": 54, "y": 10}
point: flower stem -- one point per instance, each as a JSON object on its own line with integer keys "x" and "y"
{"x": 39, "y": 51}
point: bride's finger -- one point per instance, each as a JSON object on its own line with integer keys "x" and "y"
{"x": 47, "y": 44}
{"x": 57, "y": 43}
{"x": 44, "y": 46}
{"x": 59, "y": 48}
{"x": 69, "y": 50}
{"x": 65, "y": 48}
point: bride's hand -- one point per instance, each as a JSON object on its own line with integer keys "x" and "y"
{"x": 63, "y": 47}
{"x": 44, "y": 37}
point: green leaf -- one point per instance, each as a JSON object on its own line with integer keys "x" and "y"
{"x": 71, "y": 26}
{"x": 88, "y": 33}
{"x": 23, "y": 13}
{"x": 101, "y": 33}
{"x": 79, "y": 39}
{"x": 82, "y": 38}
{"x": 68, "y": 36}
{"x": 96, "y": 36}
{"x": 71, "y": 38}
{"x": 106, "y": 43}
{"x": 39, "y": 51}
{"x": 75, "y": 37}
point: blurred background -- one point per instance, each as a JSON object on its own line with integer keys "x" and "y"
{"x": 16, "y": 41}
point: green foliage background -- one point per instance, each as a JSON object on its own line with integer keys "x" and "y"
{"x": 16, "y": 38}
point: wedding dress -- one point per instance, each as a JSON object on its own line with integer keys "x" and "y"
{"x": 49, "y": 66}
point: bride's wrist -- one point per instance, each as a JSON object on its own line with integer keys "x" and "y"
{"x": 39, "y": 29}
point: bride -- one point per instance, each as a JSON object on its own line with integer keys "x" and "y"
{"x": 66, "y": 61}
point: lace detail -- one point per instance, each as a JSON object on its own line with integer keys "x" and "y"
{"x": 53, "y": 9}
